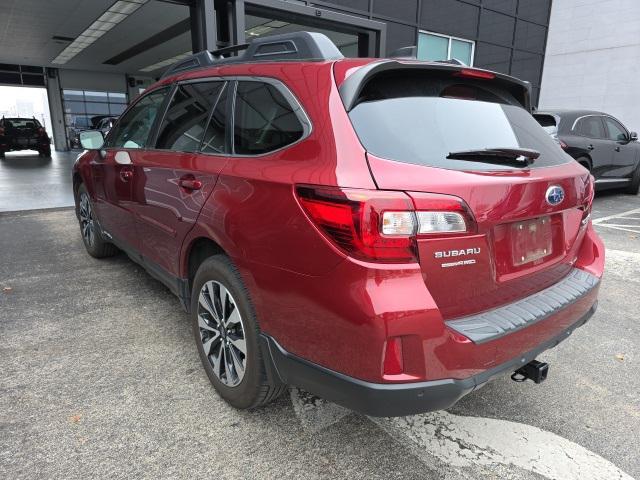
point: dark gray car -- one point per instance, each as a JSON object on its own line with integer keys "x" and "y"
{"x": 599, "y": 142}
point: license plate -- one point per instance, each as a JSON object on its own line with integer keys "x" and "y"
{"x": 531, "y": 240}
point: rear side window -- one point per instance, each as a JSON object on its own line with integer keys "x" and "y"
{"x": 591, "y": 127}
{"x": 422, "y": 118}
{"x": 215, "y": 138}
{"x": 184, "y": 123}
{"x": 134, "y": 127}
{"x": 264, "y": 120}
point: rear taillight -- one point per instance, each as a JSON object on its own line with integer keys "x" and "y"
{"x": 563, "y": 145}
{"x": 1, "y": 130}
{"x": 383, "y": 226}
{"x": 42, "y": 132}
{"x": 353, "y": 220}
{"x": 588, "y": 201}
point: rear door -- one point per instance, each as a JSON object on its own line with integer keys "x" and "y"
{"x": 623, "y": 150}
{"x": 523, "y": 224}
{"x": 591, "y": 138}
{"x": 175, "y": 177}
{"x": 114, "y": 168}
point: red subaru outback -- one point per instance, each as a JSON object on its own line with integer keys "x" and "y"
{"x": 387, "y": 234}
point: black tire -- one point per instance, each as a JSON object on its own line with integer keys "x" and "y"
{"x": 46, "y": 153}
{"x": 584, "y": 161}
{"x": 254, "y": 388}
{"x": 634, "y": 186}
{"x": 1, "y": 153}
{"x": 90, "y": 229}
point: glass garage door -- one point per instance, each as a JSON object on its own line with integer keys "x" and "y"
{"x": 83, "y": 109}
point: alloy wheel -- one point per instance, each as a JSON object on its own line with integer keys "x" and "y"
{"x": 222, "y": 333}
{"x": 87, "y": 224}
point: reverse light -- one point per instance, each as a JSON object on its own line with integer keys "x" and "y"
{"x": 398, "y": 223}
{"x": 441, "y": 222}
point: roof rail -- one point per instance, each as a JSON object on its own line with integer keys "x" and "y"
{"x": 300, "y": 46}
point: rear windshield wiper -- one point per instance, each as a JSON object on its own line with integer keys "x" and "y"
{"x": 519, "y": 157}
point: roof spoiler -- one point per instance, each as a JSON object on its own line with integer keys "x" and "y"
{"x": 300, "y": 46}
{"x": 354, "y": 84}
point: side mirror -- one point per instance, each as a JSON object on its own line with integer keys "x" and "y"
{"x": 633, "y": 136}
{"x": 91, "y": 139}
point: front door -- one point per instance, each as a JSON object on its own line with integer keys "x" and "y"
{"x": 175, "y": 177}
{"x": 623, "y": 150}
{"x": 114, "y": 169}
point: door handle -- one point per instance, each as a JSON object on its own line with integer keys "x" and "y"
{"x": 190, "y": 183}
{"x": 617, "y": 149}
{"x": 590, "y": 147}
{"x": 126, "y": 175}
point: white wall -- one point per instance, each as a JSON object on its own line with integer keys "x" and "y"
{"x": 593, "y": 58}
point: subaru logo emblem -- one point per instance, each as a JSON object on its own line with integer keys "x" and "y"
{"x": 555, "y": 195}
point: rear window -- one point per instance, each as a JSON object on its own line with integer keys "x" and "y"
{"x": 21, "y": 123}
{"x": 547, "y": 122}
{"x": 413, "y": 118}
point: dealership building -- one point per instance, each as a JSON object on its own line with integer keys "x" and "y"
{"x": 93, "y": 61}
{"x": 96, "y": 59}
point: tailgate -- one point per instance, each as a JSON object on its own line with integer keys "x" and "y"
{"x": 521, "y": 244}
{"x": 465, "y": 134}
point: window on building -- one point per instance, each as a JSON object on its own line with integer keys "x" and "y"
{"x": 186, "y": 118}
{"x": 264, "y": 120}
{"x": 84, "y": 109}
{"x": 433, "y": 46}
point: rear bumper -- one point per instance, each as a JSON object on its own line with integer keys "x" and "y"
{"x": 397, "y": 399}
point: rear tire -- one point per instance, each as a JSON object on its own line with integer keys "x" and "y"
{"x": 222, "y": 333}
{"x": 584, "y": 161}
{"x": 90, "y": 229}
{"x": 634, "y": 186}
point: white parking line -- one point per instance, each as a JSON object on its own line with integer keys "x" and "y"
{"x": 472, "y": 442}
{"x": 614, "y": 221}
{"x": 467, "y": 442}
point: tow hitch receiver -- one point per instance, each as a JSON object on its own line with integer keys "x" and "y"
{"x": 534, "y": 370}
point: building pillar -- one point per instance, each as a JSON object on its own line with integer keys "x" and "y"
{"x": 54, "y": 96}
{"x": 203, "y": 26}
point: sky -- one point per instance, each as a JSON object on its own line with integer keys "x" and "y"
{"x": 26, "y": 102}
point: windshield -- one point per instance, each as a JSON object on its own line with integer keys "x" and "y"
{"x": 422, "y": 124}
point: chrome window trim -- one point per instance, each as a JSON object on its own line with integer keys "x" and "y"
{"x": 573, "y": 127}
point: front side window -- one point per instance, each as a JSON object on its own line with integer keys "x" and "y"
{"x": 184, "y": 123}
{"x": 134, "y": 127}
{"x": 616, "y": 131}
{"x": 264, "y": 120}
{"x": 591, "y": 127}
{"x": 434, "y": 47}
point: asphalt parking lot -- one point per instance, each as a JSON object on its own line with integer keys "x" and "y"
{"x": 100, "y": 378}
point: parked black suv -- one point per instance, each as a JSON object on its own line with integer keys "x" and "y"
{"x": 23, "y": 134}
{"x": 598, "y": 142}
